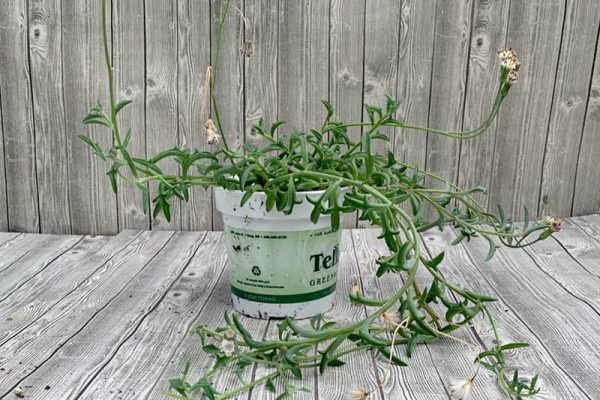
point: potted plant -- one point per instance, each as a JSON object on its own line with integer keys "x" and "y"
{"x": 282, "y": 204}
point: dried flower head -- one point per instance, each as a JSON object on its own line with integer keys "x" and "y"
{"x": 461, "y": 390}
{"x": 508, "y": 59}
{"x": 211, "y": 132}
{"x": 227, "y": 347}
{"x": 229, "y": 333}
{"x": 19, "y": 392}
{"x": 554, "y": 223}
{"x": 391, "y": 318}
{"x": 512, "y": 76}
{"x": 359, "y": 394}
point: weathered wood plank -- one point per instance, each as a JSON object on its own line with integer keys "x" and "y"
{"x": 382, "y": 33}
{"x": 16, "y": 274}
{"x": 92, "y": 202}
{"x": 414, "y": 78}
{"x": 13, "y": 250}
{"x": 571, "y": 91}
{"x": 193, "y": 100}
{"x": 161, "y": 94}
{"x": 380, "y": 69}
{"x": 515, "y": 323}
{"x": 565, "y": 270}
{"x": 94, "y": 346}
{"x": 211, "y": 314}
{"x": 230, "y": 78}
{"x": 33, "y": 299}
{"x": 23, "y": 354}
{"x": 490, "y": 19}
{"x": 420, "y": 380}
{"x": 448, "y": 84}
{"x": 132, "y": 372}
{"x": 586, "y": 197}
{"x": 261, "y": 36}
{"x": 303, "y": 51}
{"x": 17, "y": 120}
{"x": 3, "y": 186}
{"x": 534, "y": 29}
{"x": 45, "y": 41}
{"x": 511, "y": 273}
{"x": 129, "y": 70}
{"x": 8, "y": 236}
{"x": 433, "y": 366}
{"x": 582, "y": 241}
{"x": 346, "y": 57}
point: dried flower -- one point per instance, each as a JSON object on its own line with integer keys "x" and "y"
{"x": 359, "y": 394}
{"x": 211, "y": 132}
{"x": 512, "y": 77}
{"x": 229, "y": 333}
{"x": 554, "y": 223}
{"x": 508, "y": 59}
{"x": 461, "y": 390}
{"x": 19, "y": 392}
{"x": 391, "y": 318}
{"x": 227, "y": 347}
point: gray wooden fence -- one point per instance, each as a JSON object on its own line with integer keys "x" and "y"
{"x": 439, "y": 57}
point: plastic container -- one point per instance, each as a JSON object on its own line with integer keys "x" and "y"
{"x": 280, "y": 265}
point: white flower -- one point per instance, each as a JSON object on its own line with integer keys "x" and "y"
{"x": 359, "y": 394}
{"x": 227, "y": 347}
{"x": 211, "y": 132}
{"x": 508, "y": 59}
{"x": 461, "y": 390}
{"x": 554, "y": 223}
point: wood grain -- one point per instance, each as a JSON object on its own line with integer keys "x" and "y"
{"x": 22, "y": 355}
{"x": 346, "y": 56}
{"x": 45, "y": 43}
{"x": 17, "y": 120}
{"x": 3, "y": 186}
{"x": 16, "y": 274}
{"x": 229, "y": 89}
{"x": 303, "y": 74}
{"x": 129, "y": 60}
{"x": 14, "y": 249}
{"x": 158, "y": 336}
{"x": 579, "y": 36}
{"x": 415, "y": 53}
{"x": 260, "y": 54}
{"x": 437, "y": 57}
{"x": 40, "y": 293}
{"x": 162, "y": 131}
{"x": 193, "y": 106}
{"x": 534, "y": 29}
{"x": 96, "y": 343}
{"x": 586, "y": 195}
{"x": 490, "y": 19}
{"x": 111, "y": 317}
{"x": 93, "y": 203}
{"x": 514, "y": 323}
{"x": 448, "y": 84}
{"x": 510, "y": 273}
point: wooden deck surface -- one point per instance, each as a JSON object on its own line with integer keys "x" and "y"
{"x": 98, "y": 317}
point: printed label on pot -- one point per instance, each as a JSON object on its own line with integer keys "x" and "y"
{"x": 282, "y": 267}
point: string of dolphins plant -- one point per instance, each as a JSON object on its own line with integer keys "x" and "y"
{"x": 381, "y": 188}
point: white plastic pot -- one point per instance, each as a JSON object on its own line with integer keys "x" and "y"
{"x": 280, "y": 265}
